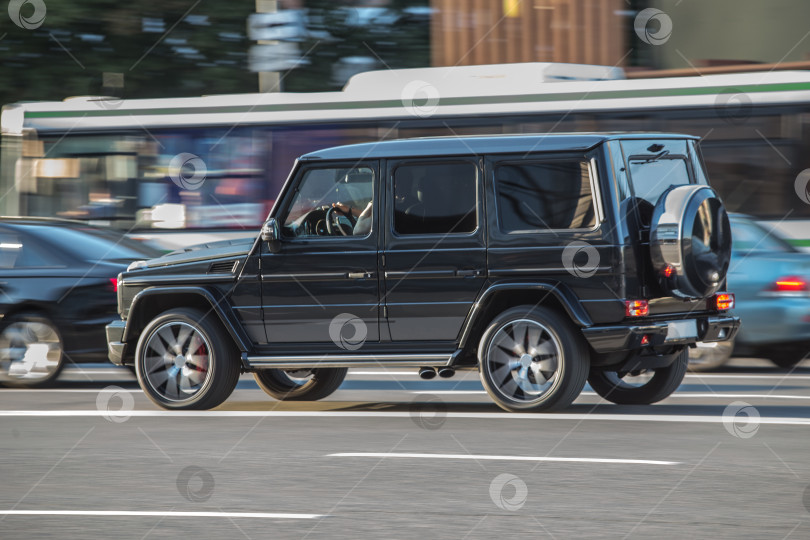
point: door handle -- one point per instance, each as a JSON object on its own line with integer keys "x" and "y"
{"x": 359, "y": 275}
{"x": 469, "y": 273}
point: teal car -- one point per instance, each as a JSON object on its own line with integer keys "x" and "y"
{"x": 771, "y": 281}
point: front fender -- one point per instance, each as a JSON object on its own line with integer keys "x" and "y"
{"x": 142, "y": 311}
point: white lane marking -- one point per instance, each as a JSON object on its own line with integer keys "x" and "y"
{"x": 68, "y": 390}
{"x": 503, "y": 458}
{"x": 735, "y": 396}
{"x": 786, "y": 376}
{"x": 782, "y": 421}
{"x": 412, "y": 373}
{"x": 720, "y": 395}
{"x": 447, "y": 392}
{"x": 111, "y": 371}
{"x": 161, "y": 513}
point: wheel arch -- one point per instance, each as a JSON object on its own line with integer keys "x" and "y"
{"x": 500, "y": 297}
{"x": 30, "y": 307}
{"x": 149, "y": 303}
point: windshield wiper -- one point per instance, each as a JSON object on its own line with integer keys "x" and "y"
{"x": 652, "y": 158}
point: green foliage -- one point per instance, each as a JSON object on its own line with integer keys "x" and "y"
{"x": 110, "y": 36}
{"x": 162, "y": 52}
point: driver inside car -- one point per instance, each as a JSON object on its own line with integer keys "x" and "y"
{"x": 363, "y": 224}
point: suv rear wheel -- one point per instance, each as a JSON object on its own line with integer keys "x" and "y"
{"x": 532, "y": 359}
{"x": 300, "y": 385}
{"x": 186, "y": 360}
{"x": 640, "y": 388}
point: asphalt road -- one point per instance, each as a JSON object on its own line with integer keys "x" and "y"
{"x": 391, "y": 456}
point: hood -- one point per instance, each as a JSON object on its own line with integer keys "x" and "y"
{"x": 207, "y": 251}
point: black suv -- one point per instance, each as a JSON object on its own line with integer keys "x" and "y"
{"x": 542, "y": 260}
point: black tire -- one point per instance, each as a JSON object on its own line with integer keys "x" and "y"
{"x": 707, "y": 359}
{"x": 216, "y": 370}
{"x": 787, "y": 357}
{"x": 662, "y": 384}
{"x": 545, "y": 368}
{"x": 17, "y": 367}
{"x": 322, "y": 382}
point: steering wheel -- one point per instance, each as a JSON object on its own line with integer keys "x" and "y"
{"x": 333, "y": 222}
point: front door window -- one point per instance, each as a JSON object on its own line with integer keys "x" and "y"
{"x": 331, "y": 201}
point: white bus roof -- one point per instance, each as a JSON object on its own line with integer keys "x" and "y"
{"x": 529, "y": 88}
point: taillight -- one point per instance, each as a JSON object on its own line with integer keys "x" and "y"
{"x": 636, "y": 308}
{"x": 114, "y": 282}
{"x": 724, "y": 301}
{"x": 790, "y": 284}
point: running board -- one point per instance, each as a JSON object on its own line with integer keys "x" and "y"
{"x": 347, "y": 360}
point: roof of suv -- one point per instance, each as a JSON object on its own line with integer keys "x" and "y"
{"x": 479, "y": 144}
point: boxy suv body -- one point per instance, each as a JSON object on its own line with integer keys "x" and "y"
{"x": 542, "y": 260}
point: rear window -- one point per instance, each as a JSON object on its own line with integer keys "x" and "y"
{"x": 655, "y": 166}
{"x": 89, "y": 244}
{"x": 18, "y": 251}
{"x": 748, "y": 236}
{"x": 544, "y": 195}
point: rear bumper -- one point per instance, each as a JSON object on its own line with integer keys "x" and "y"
{"x": 628, "y": 336}
{"x": 115, "y": 346}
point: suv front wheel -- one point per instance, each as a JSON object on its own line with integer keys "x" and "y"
{"x": 532, "y": 359}
{"x": 186, "y": 360}
{"x": 640, "y": 388}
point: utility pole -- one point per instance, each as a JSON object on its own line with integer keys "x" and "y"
{"x": 269, "y": 81}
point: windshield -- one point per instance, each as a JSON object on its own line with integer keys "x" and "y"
{"x": 749, "y": 236}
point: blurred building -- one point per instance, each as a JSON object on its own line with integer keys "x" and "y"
{"x": 729, "y": 32}
{"x": 468, "y": 32}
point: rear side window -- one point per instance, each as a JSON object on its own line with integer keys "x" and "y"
{"x": 544, "y": 195}
{"x": 90, "y": 244}
{"x": 18, "y": 251}
{"x": 435, "y": 198}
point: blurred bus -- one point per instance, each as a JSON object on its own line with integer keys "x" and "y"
{"x": 110, "y": 162}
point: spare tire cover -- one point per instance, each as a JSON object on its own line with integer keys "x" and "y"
{"x": 690, "y": 241}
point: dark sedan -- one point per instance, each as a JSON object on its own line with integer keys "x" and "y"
{"x": 57, "y": 291}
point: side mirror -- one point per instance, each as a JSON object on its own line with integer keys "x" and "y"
{"x": 271, "y": 235}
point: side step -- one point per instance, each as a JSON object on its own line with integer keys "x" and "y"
{"x": 347, "y": 360}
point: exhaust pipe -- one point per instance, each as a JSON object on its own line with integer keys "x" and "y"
{"x": 446, "y": 372}
{"x": 427, "y": 373}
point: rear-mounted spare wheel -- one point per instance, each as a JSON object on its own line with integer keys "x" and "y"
{"x": 690, "y": 241}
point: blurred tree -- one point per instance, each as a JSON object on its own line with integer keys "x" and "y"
{"x": 397, "y": 39}
{"x": 182, "y": 48}
{"x": 167, "y": 48}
